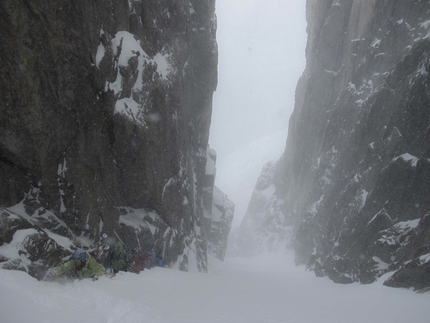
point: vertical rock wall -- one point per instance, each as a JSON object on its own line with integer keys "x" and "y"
{"x": 264, "y": 227}
{"x": 105, "y": 109}
{"x": 218, "y": 211}
{"x": 355, "y": 172}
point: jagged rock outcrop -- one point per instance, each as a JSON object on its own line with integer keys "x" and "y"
{"x": 222, "y": 217}
{"x": 218, "y": 211}
{"x": 264, "y": 227}
{"x": 105, "y": 114}
{"x": 355, "y": 174}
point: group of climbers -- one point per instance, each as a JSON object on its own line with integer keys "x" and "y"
{"x": 153, "y": 261}
{"x": 115, "y": 258}
{"x": 118, "y": 259}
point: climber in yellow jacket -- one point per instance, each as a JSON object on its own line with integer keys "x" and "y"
{"x": 82, "y": 265}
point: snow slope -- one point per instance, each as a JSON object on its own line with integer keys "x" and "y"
{"x": 263, "y": 289}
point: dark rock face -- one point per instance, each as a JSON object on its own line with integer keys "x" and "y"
{"x": 218, "y": 211}
{"x": 355, "y": 175}
{"x": 104, "y": 114}
{"x": 222, "y": 217}
{"x": 264, "y": 227}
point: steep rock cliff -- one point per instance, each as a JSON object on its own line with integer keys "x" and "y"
{"x": 356, "y": 168}
{"x": 105, "y": 114}
{"x": 264, "y": 227}
{"x": 354, "y": 179}
{"x": 218, "y": 211}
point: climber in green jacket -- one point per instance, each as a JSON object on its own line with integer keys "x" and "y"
{"x": 118, "y": 259}
{"x": 82, "y": 265}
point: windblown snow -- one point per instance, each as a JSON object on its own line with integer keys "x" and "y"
{"x": 264, "y": 289}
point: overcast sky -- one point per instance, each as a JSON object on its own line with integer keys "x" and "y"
{"x": 261, "y": 55}
{"x": 261, "y": 47}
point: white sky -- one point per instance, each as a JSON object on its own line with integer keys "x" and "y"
{"x": 261, "y": 56}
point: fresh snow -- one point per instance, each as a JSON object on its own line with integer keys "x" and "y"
{"x": 380, "y": 265}
{"x": 408, "y": 225}
{"x": 364, "y": 195}
{"x": 425, "y": 24}
{"x": 408, "y": 158}
{"x": 263, "y": 289}
{"x": 210, "y": 162}
{"x": 135, "y": 218}
{"x": 62, "y": 241}
{"x": 101, "y": 50}
{"x": 425, "y": 258}
{"x": 376, "y": 42}
{"x": 315, "y": 206}
{"x": 163, "y": 66}
{"x": 128, "y": 107}
{"x": 129, "y": 48}
{"x": 12, "y": 249}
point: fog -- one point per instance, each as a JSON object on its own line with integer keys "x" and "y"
{"x": 261, "y": 56}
